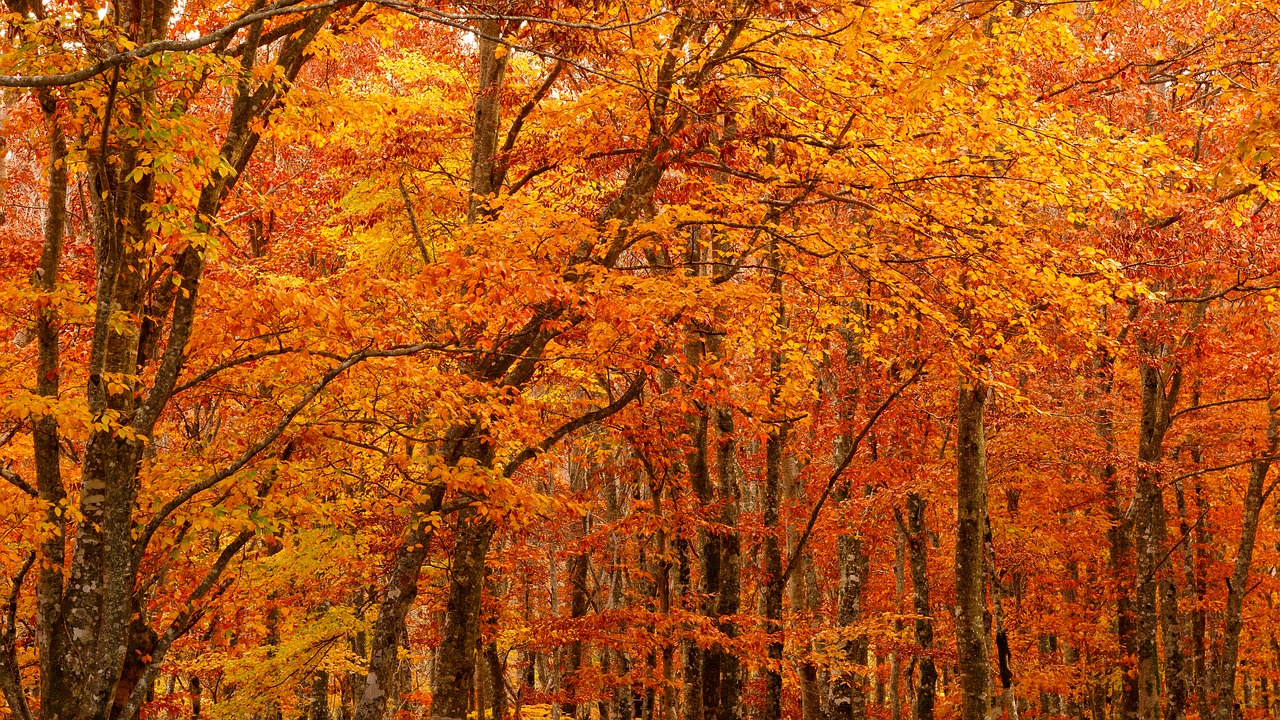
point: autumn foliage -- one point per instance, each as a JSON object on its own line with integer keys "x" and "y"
{"x": 639, "y": 360}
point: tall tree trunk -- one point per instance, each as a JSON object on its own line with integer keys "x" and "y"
{"x": 1174, "y": 670}
{"x": 453, "y": 683}
{"x": 579, "y": 564}
{"x": 774, "y": 582}
{"x": 722, "y": 690}
{"x": 971, "y": 520}
{"x": 849, "y": 695}
{"x": 1203, "y": 631}
{"x": 397, "y": 599}
{"x": 701, "y": 667}
{"x": 319, "y": 707}
{"x": 699, "y": 687}
{"x": 195, "y": 697}
{"x": 497, "y": 680}
{"x": 729, "y": 602}
{"x": 551, "y": 678}
{"x": 918, "y": 553}
{"x": 1119, "y": 542}
{"x": 850, "y": 692}
{"x": 1078, "y": 699}
{"x": 1233, "y": 617}
{"x": 1004, "y": 657}
{"x": 895, "y": 656}
{"x": 1146, "y": 495}
{"x": 1195, "y": 672}
{"x": 810, "y": 693}
{"x": 663, "y": 576}
{"x": 622, "y": 700}
{"x": 1157, "y": 405}
{"x": 45, "y": 434}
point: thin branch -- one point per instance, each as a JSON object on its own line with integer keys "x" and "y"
{"x": 413, "y": 221}
{"x": 183, "y": 621}
{"x": 11, "y": 610}
{"x": 594, "y": 416}
{"x": 835, "y": 476}
{"x": 535, "y": 172}
{"x": 1228, "y": 466}
{"x": 144, "y": 538}
{"x": 1218, "y": 404}
{"x": 12, "y": 680}
{"x": 230, "y": 364}
{"x": 523, "y": 114}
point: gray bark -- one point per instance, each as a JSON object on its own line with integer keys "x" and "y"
{"x": 971, "y": 519}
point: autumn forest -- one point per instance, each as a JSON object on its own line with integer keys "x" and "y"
{"x": 639, "y": 360}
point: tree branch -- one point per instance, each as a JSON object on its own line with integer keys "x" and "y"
{"x": 16, "y": 480}
{"x": 413, "y": 221}
{"x": 1217, "y": 404}
{"x": 183, "y": 620}
{"x": 10, "y": 676}
{"x": 594, "y": 416}
{"x": 230, "y": 364}
{"x": 284, "y": 7}
{"x": 835, "y": 476}
{"x": 144, "y": 538}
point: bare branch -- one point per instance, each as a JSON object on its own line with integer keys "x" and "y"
{"x": 16, "y": 480}
{"x": 182, "y": 622}
{"x": 1219, "y": 403}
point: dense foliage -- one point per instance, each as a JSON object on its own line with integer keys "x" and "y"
{"x": 630, "y": 360}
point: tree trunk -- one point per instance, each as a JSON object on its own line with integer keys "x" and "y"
{"x": 810, "y": 693}
{"x": 663, "y": 576}
{"x": 971, "y": 520}
{"x": 1120, "y": 546}
{"x": 454, "y": 675}
{"x": 1004, "y": 656}
{"x": 729, "y": 602}
{"x": 44, "y": 430}
{"x": 578, "y": 567}
{"x": 850, "y": 692}
{"x": 397, "y": 599}
{"x": 1233, "y": 617}
{"x": 895, "y": 657}
{"x": 195, "y": 697}
{"x": 551, "y": 678}
{"x": 319, "y": 709}
{"x": 497, "y": 680}
{"x": 774, "y": 582}
{"x": 918, "y": 552}
{"x": 700, "y": 688}
{"x": 1174, "y": 671}
{"x": 1157, "y": 406}
{"x": 452, "y": 685}
{"x": 1194, "y": 673}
